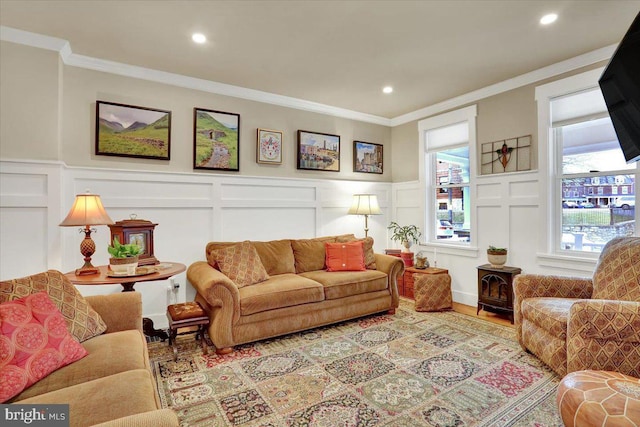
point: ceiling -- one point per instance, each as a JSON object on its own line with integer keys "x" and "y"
{"x": 337, "y": 53}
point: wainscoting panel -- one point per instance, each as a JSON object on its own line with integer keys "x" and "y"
{"x": 191, "y": 209}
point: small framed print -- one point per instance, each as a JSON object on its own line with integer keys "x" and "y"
{"x": 367, "y": 157}
{"x": 216, "y": 140}
{"x": 269, "y": 147}
{"x": 318, "y": 151}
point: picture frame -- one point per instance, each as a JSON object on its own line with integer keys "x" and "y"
{"x": 216, "y": 140}
{"x": 318, "y": 151}
{"x": 368, "y": 157}
{"x": 132, "y": 131}
{"x": 269, "y": 146}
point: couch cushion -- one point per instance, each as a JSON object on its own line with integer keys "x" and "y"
{"x": 369, "y": 255}
{"x": 283, "y": 290}
{"x": 34, "y": 342}
{"x": 103, "y": 399}
{"x": 550, "y": 314}
{"x": 340, "y": 284}
{"x": 82, "y": 321}
{"x": 617, "y": 275}
{"x": 108, "y": 354}
{"x": 345, "y": 256}
{"x": 310, "y": 253}
{"x": 276, "y": 255}
{"x": 240, "y": 263}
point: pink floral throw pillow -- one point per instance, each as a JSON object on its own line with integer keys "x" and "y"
{"x": 34, "y": 342}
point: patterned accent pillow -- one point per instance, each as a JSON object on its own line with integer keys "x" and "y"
{"x": 240, "y": 263}
{"x": 347, "y": 256}
{"x": 82, "y": 321}
{"x": 369, "y": 256}
{"x": 34, "y": 342}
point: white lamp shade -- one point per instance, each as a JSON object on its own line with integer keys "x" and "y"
{"x": 365, "y": 204}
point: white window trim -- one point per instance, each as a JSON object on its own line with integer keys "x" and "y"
{"x": 467, "y": 114}
{"x": 550, "y": 225}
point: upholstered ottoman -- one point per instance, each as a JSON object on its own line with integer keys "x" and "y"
{"x": 599, "y": 399}
{"x": 432, "y": 292}
{"x": 187, "y": 315}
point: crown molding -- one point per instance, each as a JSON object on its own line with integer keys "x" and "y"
{"x": 553, "y": 70}
{"x": 69, "y": 58}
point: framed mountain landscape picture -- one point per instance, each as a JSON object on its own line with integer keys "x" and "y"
{"x": 131, "y": 131}
{"x": 216, "y": 140}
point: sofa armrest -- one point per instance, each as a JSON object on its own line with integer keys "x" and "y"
{"x": 604, "y": 335}
{"x": 159, "y": 418}
{"x": 121, "y": 312}
{"x": 222, "y": 301}
{"x": 535, "y": 285}
{"x": 393, "y": 267}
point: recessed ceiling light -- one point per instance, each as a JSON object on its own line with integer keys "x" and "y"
{"x": 387, "y": 89}
{"x": 549, "y": 18}
{"x": 198, "y": 38}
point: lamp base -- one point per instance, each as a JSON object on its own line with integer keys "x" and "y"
{"x": 85, "y": 271}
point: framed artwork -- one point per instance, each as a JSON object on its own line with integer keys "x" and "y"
{"x": 507, "y": 155}
{"x": 216, "y": 140}
{"x": 130, "y": 131}
{"x": 269, "y": 147}
{"x": 318, "y": 151}
{"x": 367, "y": 157}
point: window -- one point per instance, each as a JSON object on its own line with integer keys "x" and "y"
{"x": 447, "y": 143}
{"x": 586, "y": 174}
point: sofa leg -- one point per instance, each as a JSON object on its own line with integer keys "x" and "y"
{"x": 391, "y": 311}
{"x": 224, "y": 350}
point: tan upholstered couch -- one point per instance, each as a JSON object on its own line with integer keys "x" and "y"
{"x": 113, "y": 384}
{"x": 573, "y": 324}
{"x": 300, "y": 294}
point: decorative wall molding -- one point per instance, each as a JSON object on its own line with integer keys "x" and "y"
{"x": 72, "y": 59}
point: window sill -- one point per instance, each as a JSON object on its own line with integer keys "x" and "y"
{"x": 568, "y": 262}
{"x": 459, "y": 249}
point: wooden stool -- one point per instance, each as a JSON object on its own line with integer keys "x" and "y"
{"x": 432, "y": 292}
{"x": 183, "y": 315}
{"x": 599, "y": 399}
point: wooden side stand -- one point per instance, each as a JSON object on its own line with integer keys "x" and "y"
{"x": 187, "y": 315}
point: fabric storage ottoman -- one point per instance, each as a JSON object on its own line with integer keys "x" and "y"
{"x": 432, "y": 292}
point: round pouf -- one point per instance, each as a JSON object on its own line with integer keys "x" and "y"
{"x": 599, "y": 399}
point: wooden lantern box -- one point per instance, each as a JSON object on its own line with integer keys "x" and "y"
{"x": 138, "y": 231}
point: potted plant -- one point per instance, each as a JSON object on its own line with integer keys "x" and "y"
{"x": 124, "y": 258}
{"x": 406, "y": 235}
{"x": 497, "y": 257}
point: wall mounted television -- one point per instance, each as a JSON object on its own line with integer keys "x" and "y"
{"x": 620, "y": 86}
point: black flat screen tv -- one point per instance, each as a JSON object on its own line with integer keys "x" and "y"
{"x": 620, "y": 86}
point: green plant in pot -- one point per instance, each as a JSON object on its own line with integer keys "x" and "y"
{"x": 405, "y": 234}
{"x": 497, "y": 257}
{"x": 124, "y": 258}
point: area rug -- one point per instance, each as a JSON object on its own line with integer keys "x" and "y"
{"x": 409, "y": 369}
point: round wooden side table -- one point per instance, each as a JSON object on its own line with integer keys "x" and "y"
{"x": 599, "y": 399}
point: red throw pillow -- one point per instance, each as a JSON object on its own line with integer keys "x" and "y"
{"x": 34, "y": 342}
{"x": 347, "y": 256}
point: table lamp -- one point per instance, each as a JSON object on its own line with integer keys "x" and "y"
{"x": 87, "y": 210}
{"x": 365, "y": 204}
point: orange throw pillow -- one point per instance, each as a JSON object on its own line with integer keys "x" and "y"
{"x": 34, "y": 342}
{"x": 347, "y": 256}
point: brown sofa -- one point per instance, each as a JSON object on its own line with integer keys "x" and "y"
{"x": 573, "y": 324}
{"x": 299, "y": 294}
{"x": 113, "y": 384}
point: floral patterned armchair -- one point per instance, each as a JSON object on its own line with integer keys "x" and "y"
{"x": 573, "y": 324}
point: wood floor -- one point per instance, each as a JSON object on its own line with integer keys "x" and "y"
{"x": 500, "y": 319}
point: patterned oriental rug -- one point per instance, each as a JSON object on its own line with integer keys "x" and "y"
{"x": 409, "y": 369}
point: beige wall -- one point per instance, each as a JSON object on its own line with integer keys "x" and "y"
{"x": 506, "y": 115}
{"x": 31, "y": 78}
{"x": 29, "y": 88}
